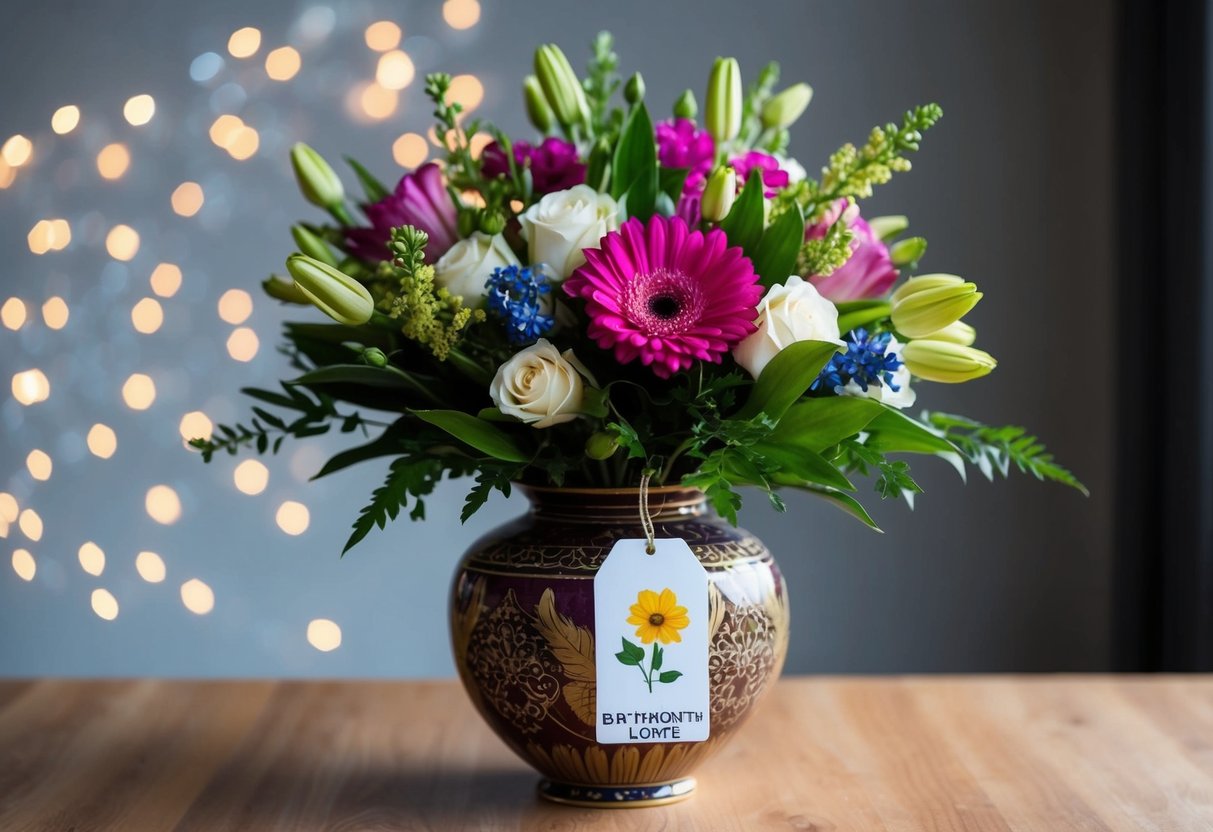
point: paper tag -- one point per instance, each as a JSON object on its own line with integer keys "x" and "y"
{"x": 651, "y": 644}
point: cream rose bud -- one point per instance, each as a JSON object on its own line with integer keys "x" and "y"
{"x": 539, "y": 386}
{"x": 789, "y": 313}
{"x": 466, "y": 267}
{"x": 900, "y": 398}
{"x": 562, "y": 223}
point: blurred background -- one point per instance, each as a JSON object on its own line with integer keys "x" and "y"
{"x": 146, "y": 192}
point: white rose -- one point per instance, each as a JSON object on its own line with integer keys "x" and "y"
{"x": 539, "y": 386}
{"x": 562, "y": 223}
{"x": 793, "y": 312}
{"x": 903, "y": 397}
{"x": 467, "y": 265}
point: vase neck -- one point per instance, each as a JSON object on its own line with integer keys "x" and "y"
{"x": 598, "y": 505}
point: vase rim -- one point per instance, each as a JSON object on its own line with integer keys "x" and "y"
{"x": 597, "y": 504}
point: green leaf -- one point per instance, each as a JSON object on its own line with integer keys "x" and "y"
{"x": 414, "y": 476}
{"x": 743, "y": 225}
{"x": 816, "y": 424}
{"x": 492, "y": 414}
{"x": 364, "y": 375}
{"x": 845, "y": 502}
{"x": 894, "y": 432}
{"x": 786, "y": 378}
{"x": 863, "y": 313}
{"x": 634, "y": 168}
{"x": 775, "y": 257}
{"x": 624, "y": 658}
{"x": 671, "y": 181}
{"x": 669, "y": 676}
{"x": 386, "y": 444}
{"x": 804, "y": 465}
{"x": 633, "y": 650}
{"x": 658, "y": 656}
{"x": 371, "y": 186}
{"x": 478, "y": 433}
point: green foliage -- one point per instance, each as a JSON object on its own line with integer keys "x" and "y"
{"x": 996, "y": 449}
{"x": 479, "y": 434}
{"x": 408, "y": 476}
{"x": 892, "y": 478}
{"x": 744, "y": 223}
{"x": 777, "y": 253}
{"x": 756, "y": 96}
{"x": 600, "y": 83}
{"x": 786, "y": 378}
{"x": 429, "y": 315}
{"x": 489, "y": 478}
{"x": 634, "y": 169}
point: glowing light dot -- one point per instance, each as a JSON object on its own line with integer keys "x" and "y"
{"x": 122, "y": 242}
{"x": 461, "y": 14}
{"x": 244, "y": 143}
{"x": 139, "y": 109}
{"x": 410, "y": 150}
{"x": 105, "y": 604}
{"x": 49, "y": 235}
{"x": 150, "y": 567}
{"x": 197, "y": 597}
{"x": 9, "y": 508}
{"x": 244, "y": 43}
{"x": 235, "y": 305}
{"x": 478, "y": 143}
{"x": 102, "y": 440}
{"x": 243, "y": 344}
{"x": 466, "y": 90}
{"x": 55, "y": 312}
{"x": 163, "y": 505}
{"x": 147, "y": 316}
{"x": 166, "y": 280}
{"x": 8, "y": 174}
{"x": 92, "y": 558}
{"x": 139, "y": 392}
{"x": 395, "y": 70}
{"x": 17, "y": 150}
{"x": 39, "y": 465}
{"x": 30, "y": 524}
{"x": 113, "y": 161}
{"x": 376, "y": 102}
{"x": 251, "y": 477}
{"x": 383, "y": 35}
{"x": 195, "y": 425}
{"x": 24, "y": 565}
{"x": 31, "y": 387}
{"x": 187, "y": 199}
{"x": 293, "y": 518}
{"x": 65, "y": 119}
{"x": 12, "y": 313}
{"x": 224, "y": 130}
{"x": 282, "y": 64}
{"x": 323, "y": 634}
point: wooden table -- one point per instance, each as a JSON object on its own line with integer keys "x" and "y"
{"x": 995, "y": 753}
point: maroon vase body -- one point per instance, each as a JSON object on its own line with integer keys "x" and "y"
{"x": 522, "y": 628}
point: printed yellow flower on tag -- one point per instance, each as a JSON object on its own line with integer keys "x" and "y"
{"x": 658, "y": 617}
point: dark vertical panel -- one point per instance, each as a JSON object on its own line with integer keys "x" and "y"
{"x": 1165, "y": 535}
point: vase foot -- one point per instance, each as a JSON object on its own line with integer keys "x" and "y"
{"x": 617, "y": 797}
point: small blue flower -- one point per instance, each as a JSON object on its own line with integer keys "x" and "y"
{"x": 514, "y": 297}
{"x": 867, "y": 361}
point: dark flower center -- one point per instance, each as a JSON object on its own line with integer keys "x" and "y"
{"x": 656, "y": 619}
{"x": 665, "y": 306}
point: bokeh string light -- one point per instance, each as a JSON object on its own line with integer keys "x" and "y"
{"x": 117, "y": 146}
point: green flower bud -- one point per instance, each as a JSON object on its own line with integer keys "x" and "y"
{"x": 907, "y": 251}
{"x": 601, "y": 445}
{"x": 465, "y": 223}
{"x": 957, "y": 332}
{"x": 537, "y": 109}
{"x": 374, "y": 356}
{"x": 924, "y": 305}
{"x": 719, "y": 194}
{"x": 633, "y": 90}
{"x": 782, "y": 110}
{"x": 312, "y": 246}
{"x": 946, "y": 362}
{"x": 492, "y": 222}
{"x": 333, "y": 292}
{"x": 317, "y": 180}
{"x": 722, "y": 107}
{"x": 560, "y": 86}
{"x": 686, "y": 106}
{"x": 279, "y": 289}
{"x": 885, "y": 228}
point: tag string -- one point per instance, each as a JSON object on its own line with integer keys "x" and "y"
{"x": 646, "y": 520}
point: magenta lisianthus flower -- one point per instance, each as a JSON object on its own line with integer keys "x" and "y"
{"x": 667, "y": 295}
{"x": 420, "y": 200}
{"x": 554, "y": 164}
{"x": 774, "y": 177}
{"x": 682, "y": 145}
{"x": 869, "y": 273}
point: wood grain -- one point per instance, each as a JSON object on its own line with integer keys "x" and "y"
{"x": 1097, "y": 754}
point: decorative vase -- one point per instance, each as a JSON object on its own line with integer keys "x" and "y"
{"x": 522, "y": 630}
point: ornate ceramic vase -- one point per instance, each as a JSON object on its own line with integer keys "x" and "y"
{"x": 522, "y": 628}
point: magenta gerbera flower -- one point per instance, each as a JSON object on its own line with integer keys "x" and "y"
{"x": 667, "y": 295}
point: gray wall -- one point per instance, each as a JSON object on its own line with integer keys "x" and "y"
{"x": 1013, "y": 190}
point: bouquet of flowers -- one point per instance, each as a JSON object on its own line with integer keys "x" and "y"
{"x": 621, "y": 299}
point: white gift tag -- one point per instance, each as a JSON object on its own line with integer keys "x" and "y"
{"x": 651, "y": 644}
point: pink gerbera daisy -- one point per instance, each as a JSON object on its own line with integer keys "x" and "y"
{"x": 667, "y": 295}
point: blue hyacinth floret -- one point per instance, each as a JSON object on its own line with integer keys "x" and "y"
{"x": 514, "y": 297}
{"x": 867, "y": 361}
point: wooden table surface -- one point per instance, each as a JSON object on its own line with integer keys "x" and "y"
{"x": 942, "y": 753}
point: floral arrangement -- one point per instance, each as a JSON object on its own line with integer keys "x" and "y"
{"x": 620, "y": 299}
